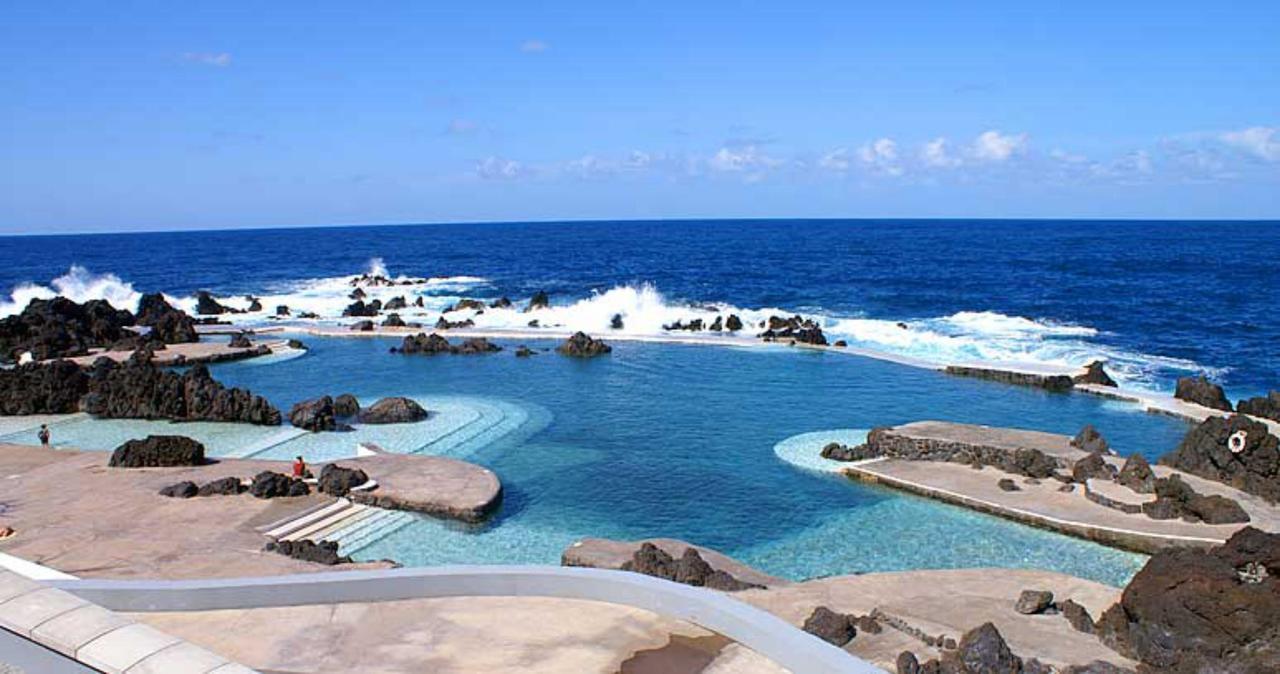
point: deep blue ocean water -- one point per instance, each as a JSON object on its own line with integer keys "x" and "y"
{"x": 679, "y": 441}
{"x": 1167, "y": 298}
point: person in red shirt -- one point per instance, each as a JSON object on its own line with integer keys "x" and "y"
{"x": 299, "y": 468}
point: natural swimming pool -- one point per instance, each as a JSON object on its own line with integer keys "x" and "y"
{"x": 675, "y": 441}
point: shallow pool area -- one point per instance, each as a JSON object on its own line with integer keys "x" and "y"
{"x": 708, "y": 444}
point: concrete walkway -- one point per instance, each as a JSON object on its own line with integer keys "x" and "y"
{"x": 73, "y": 513}
{"x": 211, "y": 350}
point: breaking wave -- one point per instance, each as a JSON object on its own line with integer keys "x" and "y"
{"x": 968, "y": 337}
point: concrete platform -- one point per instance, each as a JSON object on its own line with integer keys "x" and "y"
{"x": 76, "y": 515}
{"x": 212, "y": 350}
{"x": 1044, "y": 505}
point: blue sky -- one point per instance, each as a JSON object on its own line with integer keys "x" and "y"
{"x": 198, "y": 115}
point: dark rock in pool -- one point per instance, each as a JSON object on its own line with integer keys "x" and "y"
{"x": 540, "y": 300}
{"x": 1203, "y": 392}
{"x": 1005, "y": 484}
{"x": 443, "y": 324}
{"x": 1091, "y": 467}
{"x": 475, "y": 345}
{"x": 137, "y": 389}
{"x": 296, "y": 344}
{"x": 362, "y": 326}
{"x": 240, "y": 340}
{"x": 1209, "y": 451}
{"x": 336, "y": 480}
{"x": 615, "y": 323}
{"x": 59, "y": 328}
{"x": 1137, "y": 475}
{"x": 1090, "y": 440}
{"x": 424, "y": 344}
{"x": 1077, "y": 616}
{"x": 395, "y": 304}
{"x": 268, "y": 484}
{"x": 346, "y": 405}
{"x": 1033, "y": 602}
{"x": 227, "y": 486}
{"x": 395, "y": 410}
{"x": 1095, "y": 374}
{"x": 186, "y": 489}
{"x": 500, "y": 303}
{"x": 1191, "y": 610}
{"x": 393, "y": 321}
{"x": 1267, "y": 407}
{"x": 580, "y": 345}
{"x": 282, "y": 310}
{"x": 316, "y": 414}
{"x": 52, "y": 388}
{"x": 838, "y": 452}
{"x": 523, "y": 351}
{"x": 157, "y": 451}
{"x": 733, "y": 323}
{"x": 690, "y": 569}
{"x": 324, "y": 552}
{"x": 834, "y": 628}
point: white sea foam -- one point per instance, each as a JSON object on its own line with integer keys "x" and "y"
{"x": 970, "y": 337}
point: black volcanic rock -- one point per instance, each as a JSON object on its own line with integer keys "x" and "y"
{"x": 434, "y": 344}
{"x": 1095, "y": 374}
{"x": 615, "y": 323}
{"x": 206, "y": 305}
{"x": 1090, "y": 440}
{"x": 834, "y": 628}
{"x": 362, "y": 326}
{"x": 395, "y": 304}
{"x": 240, "y": 340}
{"x": 581, "y": 345}
{"x": 336, "y": 480}
{"x": 466, "y": 305}
{"x": 733, "y": 323}
{"x": 282, "y": 310}
{"x": 58, "y": 328}
{"x": 186, "y": 489}
{"x": 1033, "y": 602}
{"x": 443, "y": 324}
{"x": 1091, "y": 467}
{"x": 137, "y": 389}
{"x": 158, "y": 451}
{"x": 396, "y": 410}
{"x": 1176, "y": 499}
{"x": 346, "y": 405}
{"x": 168, "y": 324}
{"x": 316, "y": 414}
{"x": 51, "y": 388}
{"x": 475, "y": 345}
{"x": 838, "y": 452}
{"x": 540, "y": 300}
{"x": 1191, "y": 611}
{"x": 1077, "y": 616}
{"x": 324, "y": 552}
{"x": 1206, "y": 452}
{"x": 227, "y": 486}
{"x": 1267, "y": 407}
{"x": 1201, "y": 391}
{"x": 393, "y": 321}
{"x": 500, "y": 303}
{"x": 1137, "y": 475}
{"x": 802, "y": 330}
{"x": 268, "y": 484}
{"x": 358, "y": 308}
{"x": 690, "y": 569}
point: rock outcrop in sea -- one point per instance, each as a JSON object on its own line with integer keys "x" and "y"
{"x": 540, "y": 300}
{"x": 801, "y": 330}
{"x": 1095, "y": 374}
{"x": 582, "y": 345}
{"x": 168, "y": 324}
{"x": 1190, "y": 611}
{"x": 1201, "y": 391}
{"x": 206, "y": 305}
{"x": 60, "y": 328}
{"x": 396, "y": 410}
{"x": 1210, "y": 451}
{"x": 433, "y": 344}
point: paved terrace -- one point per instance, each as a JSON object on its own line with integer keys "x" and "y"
{"x": 212, "y": 350}
{"x": 73, "y": 513}
{"x": 1043, "y": 505}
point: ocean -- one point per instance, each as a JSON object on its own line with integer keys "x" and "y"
{"x": 1158, "y": 299}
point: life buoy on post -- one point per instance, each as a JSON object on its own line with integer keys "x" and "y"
{"x": 1236, "y": 442}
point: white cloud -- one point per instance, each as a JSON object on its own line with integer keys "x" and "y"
{"x": 534, "y": 46}
{"x": 993, "y": 146}
{"x": 497, "y": 168}
{"x": 881, "y": 155}
{"x": 1260, "y": 141}
{"x": 835, "y": 160}
{"x": 218, "y": 60}
{"x": 747, "y": 158}
{"x": 936, "y": 154}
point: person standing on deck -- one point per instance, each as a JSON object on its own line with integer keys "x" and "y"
{"x": 43, "y": 435}
{"x": 299, "y": 468}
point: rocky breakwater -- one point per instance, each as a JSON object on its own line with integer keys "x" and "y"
{"x": 1267, "y": 407}
{"x": 1094, "y": 373}
{"x": 582, "y": 345}
{"x": 1050, "y": 382}
{"x": 138, "y": 389}
{"x": 51, "y": 388}
{"x": 434, "y": 344}
{"x": 796, "y": 329}
{"x": 1191, "y": 611}
{"x": 167, "y": 324}
{"x": 1236, "y": 451}
{"x": 966, "y": 447}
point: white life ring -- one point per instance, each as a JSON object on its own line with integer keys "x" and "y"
{"x": 1236, "y": 442}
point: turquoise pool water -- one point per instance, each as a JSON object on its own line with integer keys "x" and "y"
{"x": 679, "y": 441}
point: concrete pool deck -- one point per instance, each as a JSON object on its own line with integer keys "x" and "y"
{"x": 188, "y": 354}
{"x": 1044, "y": 505}
{"x": 74, "y": 514}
